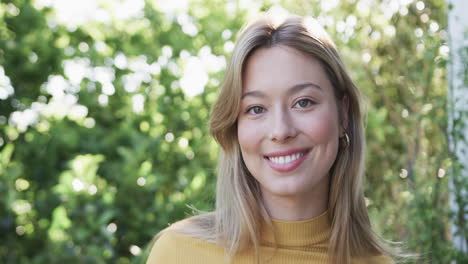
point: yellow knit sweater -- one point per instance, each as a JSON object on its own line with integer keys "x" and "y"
{"x": 298, "y": 242}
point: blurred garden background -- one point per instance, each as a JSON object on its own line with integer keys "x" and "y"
{"x": 104, "y": 109}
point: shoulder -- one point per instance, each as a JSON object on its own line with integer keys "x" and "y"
{"x": 381, "y": 259}
{"x": 163, "y": 248}
{"x": 172, "y": 247}
{"x": 168, "y": 246}
{"x": 184, "y": 237}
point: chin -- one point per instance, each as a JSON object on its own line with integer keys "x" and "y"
{"x": 287, "y": 189}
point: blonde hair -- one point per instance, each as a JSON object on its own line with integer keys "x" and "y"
{"x": 239, "y": 208}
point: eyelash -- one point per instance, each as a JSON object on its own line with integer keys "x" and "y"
{"x": 251, "y": 108}
{"x": 248, "y": 111}
{"x": 306, "y": 99}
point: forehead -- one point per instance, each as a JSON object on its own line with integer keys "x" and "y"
{"x": 281, "y": 67}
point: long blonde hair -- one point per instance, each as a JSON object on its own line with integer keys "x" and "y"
{"x": 239, "y": 211}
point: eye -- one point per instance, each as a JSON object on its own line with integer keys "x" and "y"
{"x": 304, "y": 103}
{"x": 255, "y": 110}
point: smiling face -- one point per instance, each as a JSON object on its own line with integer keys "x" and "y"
{"x": 288, "y": 124}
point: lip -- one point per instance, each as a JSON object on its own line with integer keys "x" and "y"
{"x": 287, "y": 167}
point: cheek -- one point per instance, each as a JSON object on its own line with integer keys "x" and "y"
{"x": 248, "y": 136}
{"x": 249, "y": 142}
{"x": 324, "y": 127}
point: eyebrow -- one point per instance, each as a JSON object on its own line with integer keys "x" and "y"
{"x": 294, "y": 89}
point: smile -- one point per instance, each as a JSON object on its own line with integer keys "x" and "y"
{"x": 286, "y": 161}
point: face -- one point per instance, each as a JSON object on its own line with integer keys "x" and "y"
{"x": 288, "y": 125}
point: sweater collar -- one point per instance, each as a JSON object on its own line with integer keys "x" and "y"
{"x": 313, "y": 232}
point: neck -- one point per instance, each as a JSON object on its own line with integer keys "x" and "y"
{"x": 296, "y": 207}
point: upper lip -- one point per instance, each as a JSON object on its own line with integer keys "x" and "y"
{"x": 286, "y": 152}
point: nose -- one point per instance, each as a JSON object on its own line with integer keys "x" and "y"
{"x": 282, "y": 127}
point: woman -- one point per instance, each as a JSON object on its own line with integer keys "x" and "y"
{"x": 289, "y": 122}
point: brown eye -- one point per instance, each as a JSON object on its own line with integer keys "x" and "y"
{"x": 303, "y": 103}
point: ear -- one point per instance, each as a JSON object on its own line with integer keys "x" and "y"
{"x": 344, "y": 115}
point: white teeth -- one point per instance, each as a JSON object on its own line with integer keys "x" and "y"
{"x": 286, "y": 159}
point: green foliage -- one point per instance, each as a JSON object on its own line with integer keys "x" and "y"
{"x": 101, "y": 145}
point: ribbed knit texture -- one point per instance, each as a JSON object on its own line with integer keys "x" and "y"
{"x": 298, "y": 242}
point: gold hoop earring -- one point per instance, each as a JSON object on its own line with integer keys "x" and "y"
{"x": 346, "y": 140}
